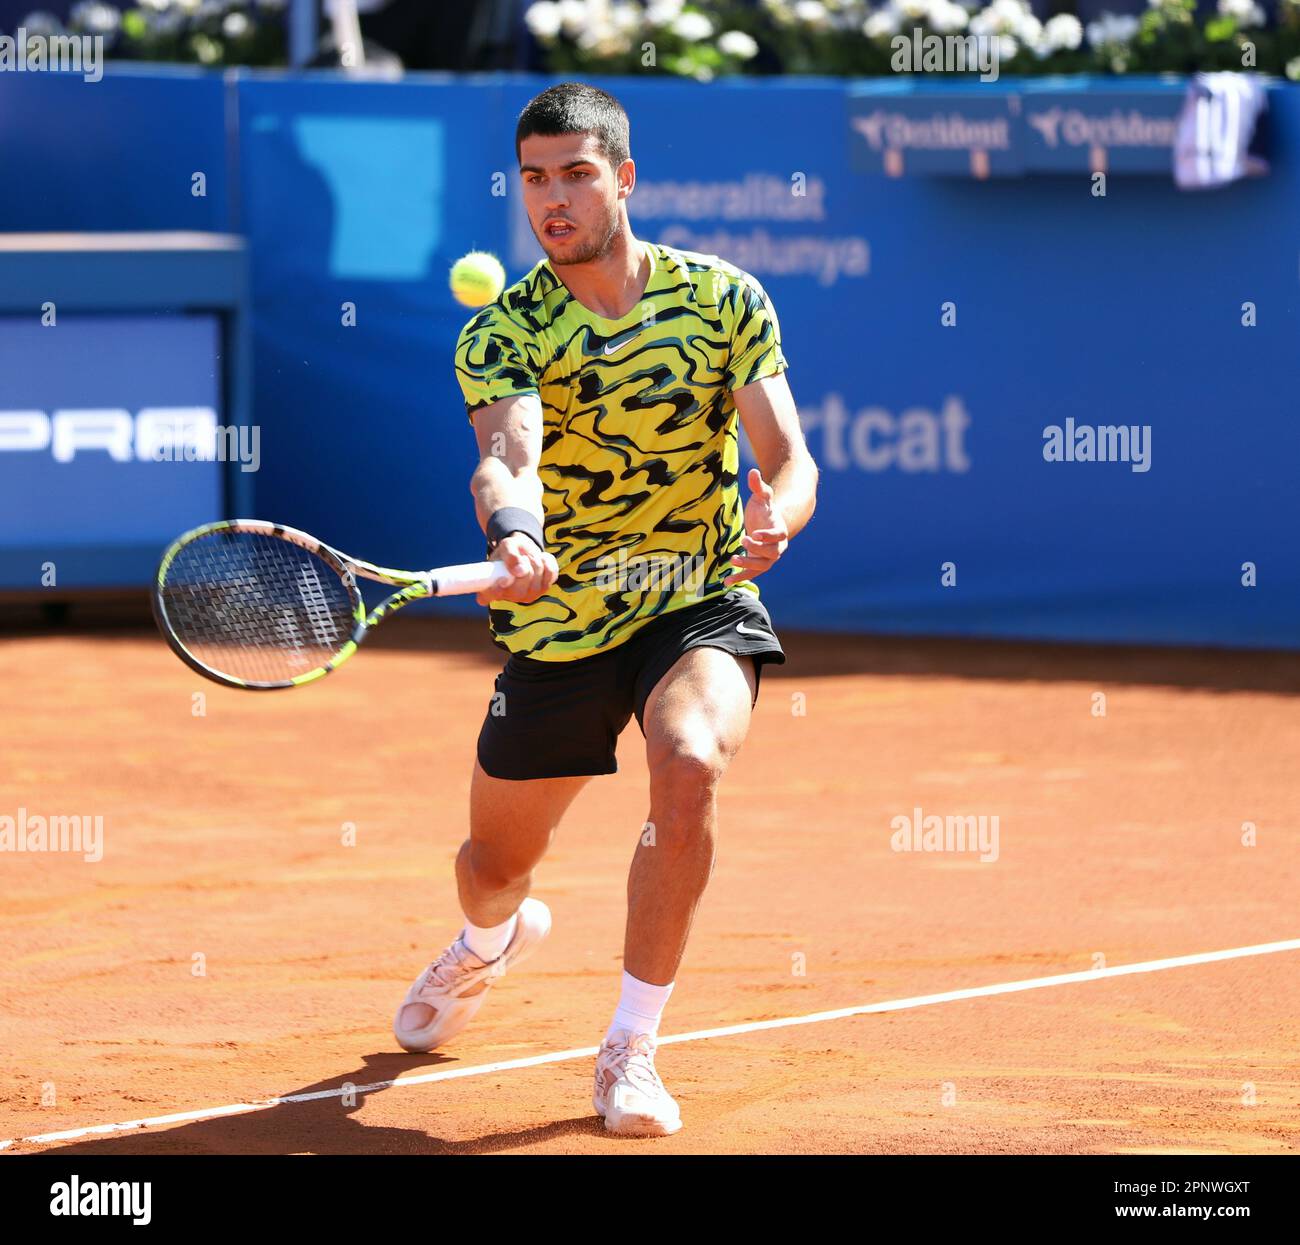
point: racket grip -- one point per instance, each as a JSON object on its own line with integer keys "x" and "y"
{"x": 451, "y": 581}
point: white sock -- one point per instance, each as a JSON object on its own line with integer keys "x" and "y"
{"x": 639, "y": 1007}
{"x": 489, "y": 941}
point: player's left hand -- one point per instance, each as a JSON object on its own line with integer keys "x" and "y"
{"x": 766, "y": 534}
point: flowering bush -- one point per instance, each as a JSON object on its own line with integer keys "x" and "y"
{"x": 209, "y": 32}
{"x": 702, "y": 40}
{"x": 666, "y": 35}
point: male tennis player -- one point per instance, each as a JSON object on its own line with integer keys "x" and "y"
{"x": 604, "y": 389}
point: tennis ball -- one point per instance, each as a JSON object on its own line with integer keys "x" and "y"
{"x": 477, "y": 279}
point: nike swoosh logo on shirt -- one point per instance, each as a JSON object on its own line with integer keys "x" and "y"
{"x": 610, "y": 347}
{"x": 762, "y": 635}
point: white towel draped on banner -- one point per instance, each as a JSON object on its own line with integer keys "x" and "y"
{"x": 1217, "y": 122}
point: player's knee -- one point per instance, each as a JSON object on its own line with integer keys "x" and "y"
{"x": 493, "y": 870}
{"x": 685, "y": 771}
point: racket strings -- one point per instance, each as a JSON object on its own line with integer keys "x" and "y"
{"x": 256, "y": 607}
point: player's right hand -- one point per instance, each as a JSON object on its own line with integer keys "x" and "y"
{"x": 532, "y": 571}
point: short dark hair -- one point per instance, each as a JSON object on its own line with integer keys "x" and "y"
{"x": 577, "y": 108}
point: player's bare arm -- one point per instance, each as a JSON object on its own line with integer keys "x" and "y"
{"x": 509, "y": 434}
{"x": 783, "y": 487}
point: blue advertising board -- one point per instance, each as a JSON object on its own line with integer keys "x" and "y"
{"x": 1038, "y": 412}
{"x": 1114, "y": 128}
{"x": 943, "y": 334}
{"x": 967, "y": 133}
{"x": 106, "y": 444}
{"x": 1014, "y": 127}
{"x": 145, "y": 147}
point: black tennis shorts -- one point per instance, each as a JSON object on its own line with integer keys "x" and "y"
{"x": 558, "y": 719}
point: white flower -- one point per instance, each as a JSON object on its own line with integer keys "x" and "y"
{"x": 625, "y": 18}
{"x": 1006, "y": 17}
{"x": 881, "y": 24}
{"x": 1063, "y": 33}
{"x": 1009, "y": 11}
{"x": 664, "y": 12}
{"x": 207, "y": 50}
{"x": 543, "y": 19}
{"x": 41, "y": 23}
{"x": 573, "y": 17}
{"x": 603, "y": 42}
{"x": 946, "y": 17}
{"x": 738, "y": 44}
{"x": 1007, "y": 47}
{"x": 602, "y": 37}
{"x": 913, "y": 10}
{"x": 1247, "y": 13}
{"x": 97, "y": 19}
{"x": 693, "y": 28}
{"x": 1293, "y": 69}
{"x": 1110, "y": 28}
{"x": 812, "y": 13}
{"x": 234, "y": 26}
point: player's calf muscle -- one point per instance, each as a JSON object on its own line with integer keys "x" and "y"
{"x": 511, "y": 826}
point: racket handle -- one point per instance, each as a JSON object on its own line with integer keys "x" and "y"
{"x": 451, "y": 581}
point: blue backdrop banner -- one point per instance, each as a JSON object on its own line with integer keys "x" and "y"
{"x": 107, "y": 445}
{"x": 1039, "y": 411}
{"x": 958, "y": 349}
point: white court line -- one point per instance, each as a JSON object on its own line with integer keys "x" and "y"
{"x": 754, "y": 1026}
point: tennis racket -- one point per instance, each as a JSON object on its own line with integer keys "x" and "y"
{"x": 261, "y": 606}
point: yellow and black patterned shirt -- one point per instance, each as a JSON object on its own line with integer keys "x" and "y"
{"x": 639, "y": 455}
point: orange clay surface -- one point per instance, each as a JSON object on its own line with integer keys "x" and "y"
{"x": 1119, "y": 837}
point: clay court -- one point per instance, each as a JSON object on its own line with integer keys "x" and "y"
{"x": 1120, "y": 843}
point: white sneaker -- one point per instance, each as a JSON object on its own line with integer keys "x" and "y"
{"x": 446, "y": 995}
{"x": 629, "y": 1093}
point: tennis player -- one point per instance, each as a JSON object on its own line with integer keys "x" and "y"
{"x": 605, "y": 389}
